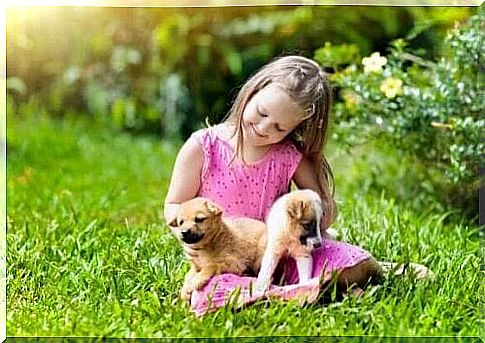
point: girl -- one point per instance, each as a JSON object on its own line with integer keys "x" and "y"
{"x": 274, "y": 134}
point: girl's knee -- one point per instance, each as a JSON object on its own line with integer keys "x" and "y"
{"x": 361, "y": 274}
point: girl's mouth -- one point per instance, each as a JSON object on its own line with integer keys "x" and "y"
{"x": 256, "y": 132}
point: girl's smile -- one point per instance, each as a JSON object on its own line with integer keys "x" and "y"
{"x": 256, "y": 133}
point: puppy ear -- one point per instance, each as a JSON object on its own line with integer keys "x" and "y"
{"x": 295, "y": 209}
{"x": 213, "y": 208}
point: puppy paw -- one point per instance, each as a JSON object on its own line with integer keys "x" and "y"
{"x": 201, "y": 282}
{"x": 258, "y": 289}
{"x": 186, "y": 293}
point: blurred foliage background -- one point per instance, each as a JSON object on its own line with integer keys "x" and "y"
{"x": 167, "y": 71}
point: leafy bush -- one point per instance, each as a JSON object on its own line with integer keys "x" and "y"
{"x": 429, "y": 108}
{"x": 164, "y": 70}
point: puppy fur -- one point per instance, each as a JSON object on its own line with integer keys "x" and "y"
{"x": 293, "y": 228}
{"x": 216, "y": 245}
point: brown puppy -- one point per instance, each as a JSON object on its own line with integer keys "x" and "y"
{"x": 216, "y": 245}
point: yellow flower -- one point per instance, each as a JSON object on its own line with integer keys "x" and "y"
{"x": 391, "y": 87}
{"x": 350, "y": 98}
{"x": 374, "y": 63}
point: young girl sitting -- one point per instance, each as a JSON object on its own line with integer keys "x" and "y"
{"x": 274, "y": 134}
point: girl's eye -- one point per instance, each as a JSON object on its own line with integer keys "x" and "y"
{"x": 262, "y": 115}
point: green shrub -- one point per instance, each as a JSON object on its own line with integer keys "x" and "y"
{"x": 164, "y": 70}
{"x": 428, "y": 108}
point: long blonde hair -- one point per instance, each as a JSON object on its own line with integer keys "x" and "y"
{"x": 306, "y": 84}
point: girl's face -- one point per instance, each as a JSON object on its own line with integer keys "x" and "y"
{"x": 270, "y": 116}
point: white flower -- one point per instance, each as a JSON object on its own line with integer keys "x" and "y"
{"x": 374, "y": 63}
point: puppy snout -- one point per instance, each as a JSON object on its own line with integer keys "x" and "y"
{"x": 311, "y": 238}
{"x": 189, "y": 236}
{"x": 317, "y": 244}
{"x": 311, "y": 228}
{"x": 186, "y": 232}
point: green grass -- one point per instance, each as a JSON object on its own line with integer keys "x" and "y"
{"x": 87, "y": 254}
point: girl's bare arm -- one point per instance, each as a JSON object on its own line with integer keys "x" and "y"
{"x": 185, "y": 181}
{"x": 305, "y": 177}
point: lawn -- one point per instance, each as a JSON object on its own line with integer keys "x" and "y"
{"x": 87, "y": 253}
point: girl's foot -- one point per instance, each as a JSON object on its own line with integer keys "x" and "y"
{"x": 356, "y": 292}
{"x": 421, "y": 271}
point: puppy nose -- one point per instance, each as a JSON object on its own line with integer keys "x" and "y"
{"x": 314, "y": 242}
{"x": 186, "y": 233}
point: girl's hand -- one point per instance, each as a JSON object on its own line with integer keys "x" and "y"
{"x": 170, "y": 212}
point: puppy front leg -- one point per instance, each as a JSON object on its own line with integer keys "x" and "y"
{"x": 304, "y": 265}
{"x": 205, "y": 275}
{"x": 268, "y": 265}
{"x": 188, "y": 286}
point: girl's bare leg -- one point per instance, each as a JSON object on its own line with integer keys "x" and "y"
{"x": 355, "y": 278}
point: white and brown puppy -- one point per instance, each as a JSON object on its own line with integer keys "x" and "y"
{"x": 293, "y": 229}
{"x": 216, "y": 245}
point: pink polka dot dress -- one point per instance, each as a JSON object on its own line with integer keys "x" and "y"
{"x": 245, "y": 190}
{"x": 249, "y": 191}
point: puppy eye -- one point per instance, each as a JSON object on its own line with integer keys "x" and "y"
{"x": 308, "y": 226}
{"x": 199, "y": 220}
{"x": 181, "y": 222}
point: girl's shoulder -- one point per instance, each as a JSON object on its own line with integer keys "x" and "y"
{"x": 213, "y": 138}
{"x": 223, "y": 131}
{"x": 212, "y": 134}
